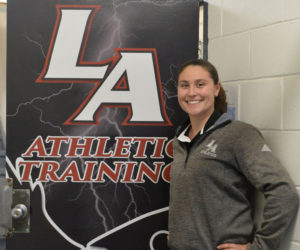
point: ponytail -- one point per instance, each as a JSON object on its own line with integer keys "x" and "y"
{"x": 220, "y": 101}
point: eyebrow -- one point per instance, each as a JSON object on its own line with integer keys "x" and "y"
{"x": 196, "y": 81}
{"x": 201, "y": 80}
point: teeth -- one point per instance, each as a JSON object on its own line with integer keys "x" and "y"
{"x": 193, "y": 102}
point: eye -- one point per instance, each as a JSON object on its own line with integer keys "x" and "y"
{"x": 199, "y": 84}
{"x": 183, "y": 85}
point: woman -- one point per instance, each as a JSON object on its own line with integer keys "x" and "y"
{"x": 217, "y": 164}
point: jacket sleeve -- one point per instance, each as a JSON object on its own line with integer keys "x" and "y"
{"x": 255, "y": 159}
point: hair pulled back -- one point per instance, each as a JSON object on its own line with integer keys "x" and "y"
{"x": 220, "y": 100}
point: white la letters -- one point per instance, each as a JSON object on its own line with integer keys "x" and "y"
{"x": 137, "y": 68}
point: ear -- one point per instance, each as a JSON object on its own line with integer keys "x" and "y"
{"x": 217, "y": 88}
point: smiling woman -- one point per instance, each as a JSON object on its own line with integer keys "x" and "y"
{"x": 200, "y": 92}
{"x": 196, "y": 95}
{"x": 217, "y": 164}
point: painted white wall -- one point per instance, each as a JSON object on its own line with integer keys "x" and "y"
{"x": 255, "y": 46}
{"x": 3, "y": 64}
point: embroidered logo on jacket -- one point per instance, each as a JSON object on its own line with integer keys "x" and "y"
{"x": 265, "y": 148}
{"x": 210, "y": 149}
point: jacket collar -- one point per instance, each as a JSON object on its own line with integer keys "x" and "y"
{"x": 215, "y": 120}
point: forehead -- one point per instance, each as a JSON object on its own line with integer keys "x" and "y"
{"x": 194, "y": 72}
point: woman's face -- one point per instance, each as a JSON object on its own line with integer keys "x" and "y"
{"x": 197, "y": 91}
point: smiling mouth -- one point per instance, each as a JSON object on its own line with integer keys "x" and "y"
{"x": 193, "y": 102}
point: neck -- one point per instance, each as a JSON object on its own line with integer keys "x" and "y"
{"x": 198, "y": 123}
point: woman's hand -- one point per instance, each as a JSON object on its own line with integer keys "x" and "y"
{"x": 232, "y": 246}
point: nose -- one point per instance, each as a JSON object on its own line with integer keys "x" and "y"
{"x": 191, "y": 91}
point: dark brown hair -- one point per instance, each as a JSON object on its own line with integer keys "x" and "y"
{"x": 220, "y": 100}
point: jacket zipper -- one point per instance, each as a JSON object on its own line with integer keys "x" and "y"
{"x": 188, "y": 149}
{"x": 202, "y": 138}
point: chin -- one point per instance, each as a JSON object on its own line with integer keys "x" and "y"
{"x": 195, "y": 114}
{"x": 202, "y": 113}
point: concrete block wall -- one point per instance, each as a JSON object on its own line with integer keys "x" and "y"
{"x": 255, "y": 46}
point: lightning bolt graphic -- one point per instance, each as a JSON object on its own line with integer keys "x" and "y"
{"x": 109, "y": 122}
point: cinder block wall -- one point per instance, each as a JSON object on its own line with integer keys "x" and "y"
{"x": 255, "y": 45}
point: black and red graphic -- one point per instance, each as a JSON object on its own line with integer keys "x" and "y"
{"x": 91, "y": 113}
